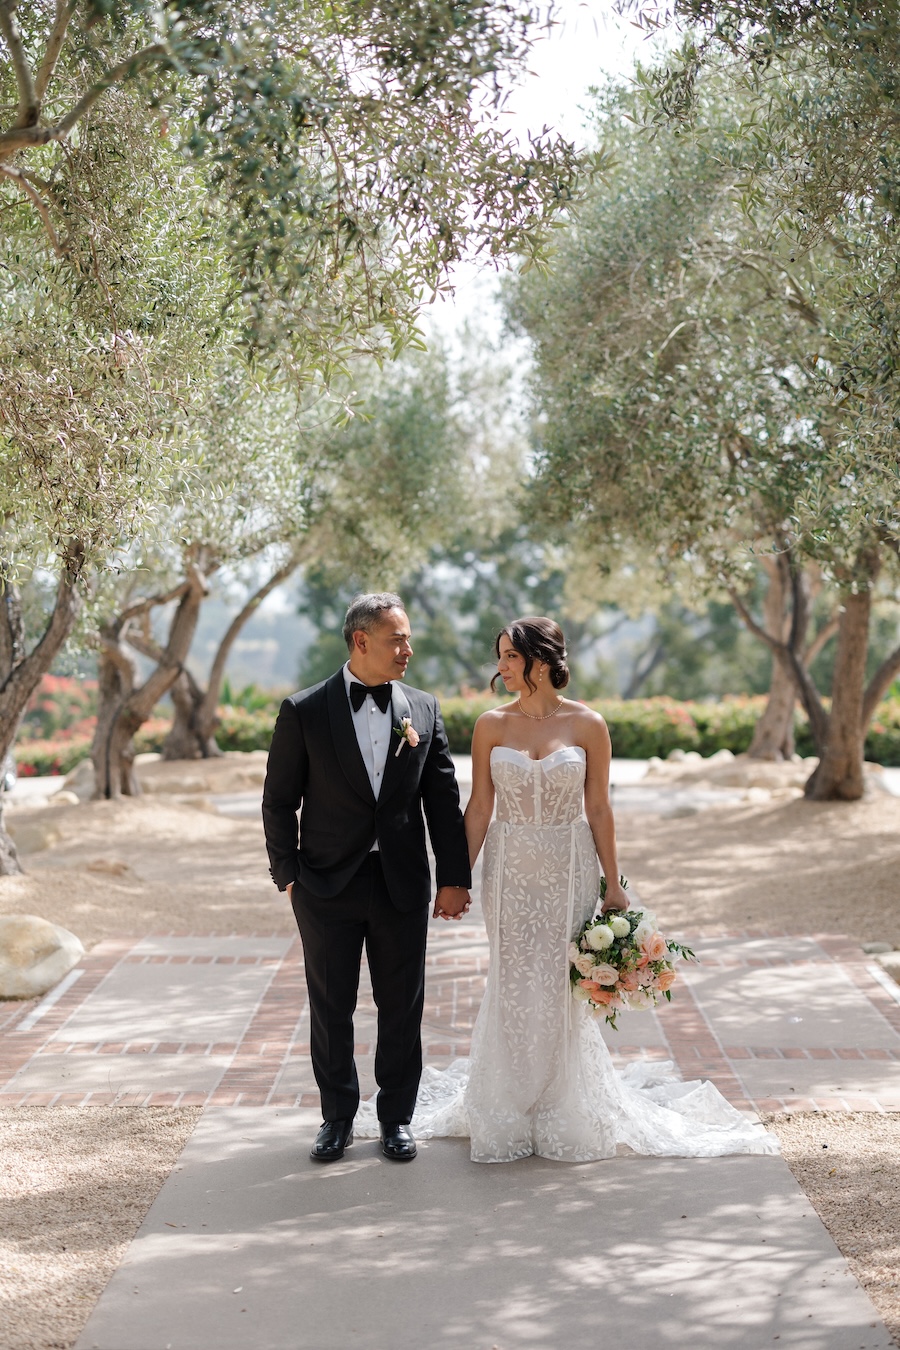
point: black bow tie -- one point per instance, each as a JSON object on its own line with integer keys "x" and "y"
{"x": 380, "y": 692}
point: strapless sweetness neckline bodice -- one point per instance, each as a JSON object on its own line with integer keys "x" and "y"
{"x": 544, "y": 792}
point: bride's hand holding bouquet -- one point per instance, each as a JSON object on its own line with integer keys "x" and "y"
{"x": 621, "y": 960}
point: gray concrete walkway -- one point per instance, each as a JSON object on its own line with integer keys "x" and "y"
{"x": 250, "y": 1246}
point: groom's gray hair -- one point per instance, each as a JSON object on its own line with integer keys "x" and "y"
{"x": 365, "y": 612}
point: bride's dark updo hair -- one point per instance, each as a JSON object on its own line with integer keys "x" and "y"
{"x": 537, "y": 639}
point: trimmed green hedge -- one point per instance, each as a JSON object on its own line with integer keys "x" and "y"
{"x": 639, "y": 728}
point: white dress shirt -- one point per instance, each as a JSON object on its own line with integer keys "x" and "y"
{"x": 373, "y": 733}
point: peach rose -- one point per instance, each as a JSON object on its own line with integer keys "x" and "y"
{"x": 605, "y": 996}
{"x": 604, "y": 973}
{"x": 655, "y": 947}
{"x": 629, "y": 980}
{"x": 665, "y": 980}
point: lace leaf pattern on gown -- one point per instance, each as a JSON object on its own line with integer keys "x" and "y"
{"x": 540, "y": 1078}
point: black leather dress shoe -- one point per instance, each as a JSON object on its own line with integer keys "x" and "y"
{"x": 332, "y": 1139}
{"x": 396, "y": 1141}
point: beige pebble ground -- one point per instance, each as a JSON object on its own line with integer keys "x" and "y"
{"x": 849, "y": 1166}
{"x": 75, "y": 1184}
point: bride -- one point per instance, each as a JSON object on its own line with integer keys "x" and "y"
{"x": 540, "y": 1078}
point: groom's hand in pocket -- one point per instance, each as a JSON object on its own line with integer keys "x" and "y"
{"x": 452, "y": 902}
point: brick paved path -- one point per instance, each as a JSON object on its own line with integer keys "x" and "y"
{"x": 775, "y": 1021}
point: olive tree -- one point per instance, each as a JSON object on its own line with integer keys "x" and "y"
{"x": 178, "y": 176}
{"x": 685, "y": 377}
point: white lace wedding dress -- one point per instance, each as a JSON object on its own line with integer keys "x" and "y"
{"x": 540, "y": 1078}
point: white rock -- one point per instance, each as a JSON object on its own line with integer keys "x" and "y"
{"x": 876, "y": 948}
{"x": 148, "y": 757}
{"x": 34, "y": 955}
{"x": 721, "y": 756}
{"x": 757, "y": 794}
{"x": 890, "y": 961}
{"x": 64, "y": 798}
{"x": 676, "y": 756}
{"x": 693, "y": 757}
{"x": 81, "y": 781}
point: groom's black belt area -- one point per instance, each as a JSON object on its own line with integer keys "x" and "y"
{"x": 380, "y": 692}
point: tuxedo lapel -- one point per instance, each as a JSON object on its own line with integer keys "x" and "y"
{"x": 344, "y": 736}
{"x": 395, "y": 767}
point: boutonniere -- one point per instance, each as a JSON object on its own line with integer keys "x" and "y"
{"x": 407, "y": 733}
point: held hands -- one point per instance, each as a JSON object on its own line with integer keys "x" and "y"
{"x": 452, "y": 902}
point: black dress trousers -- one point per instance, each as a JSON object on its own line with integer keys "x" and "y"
{"x": 333, "y": 931}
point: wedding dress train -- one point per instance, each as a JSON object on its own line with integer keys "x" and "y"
{"x": 540, "y": 1078}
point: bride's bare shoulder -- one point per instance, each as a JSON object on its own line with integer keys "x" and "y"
{"x": 589, "y": 725}
{"x": 489, "y": 728}
{"x": 494, "y": 717}
{"x": 587, "y": 716}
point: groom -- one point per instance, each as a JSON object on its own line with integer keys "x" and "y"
{"x": 361, "y": 758}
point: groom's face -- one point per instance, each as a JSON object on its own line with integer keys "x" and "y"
{"x": 383, "y": 654}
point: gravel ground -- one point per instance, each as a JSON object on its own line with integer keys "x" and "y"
{"x": 74, "y": 1188}
{"x": 849, "y": 1166}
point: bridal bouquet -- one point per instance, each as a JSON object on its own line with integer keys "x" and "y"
{"x": 621, "y": 960}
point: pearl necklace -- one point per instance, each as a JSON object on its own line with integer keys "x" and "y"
{"x": 534, "y": 716}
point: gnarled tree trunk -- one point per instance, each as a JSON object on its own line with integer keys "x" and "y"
{"x": 839, "y": 774}
{"x": 773, "y": 735}
{"x": 21, "y": 670}
{"x": 127, "y": 705}
{"x": 193, "y": 734}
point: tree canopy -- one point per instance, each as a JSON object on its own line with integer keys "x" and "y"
{"x": 350, "y": 154}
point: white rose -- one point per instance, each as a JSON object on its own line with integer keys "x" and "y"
{"x": 599, "y": 938}
{"x": 620, "y": 925}
{"x": 640, "y": 1000}
{"x": 584, "y": 963}
{"x": 643, "y": 932}
{"x": 574, "y": 953}
{"x": 581, "y": 995}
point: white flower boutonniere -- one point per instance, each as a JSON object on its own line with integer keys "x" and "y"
{"x": 407, "y": 733}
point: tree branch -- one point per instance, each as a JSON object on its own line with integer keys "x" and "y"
{"x": 151, "y": 601}
{"x": 64, "y": 11}
{"x": 786, "y": 653}
{"x": 12, "y": 629}
{"x": 28, "y": 99}
{"x": 879, "y": 684}
{"x": 821, "y": 639}
{"x": 40, "y": 205}
{"x": 20, "y": 138}
{"x": 217, "y": 670}
{"x": 146, "y": 646}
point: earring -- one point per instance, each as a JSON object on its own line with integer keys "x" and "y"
{"x": 541, "y": 674}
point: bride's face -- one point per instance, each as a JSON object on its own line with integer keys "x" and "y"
{"x": 511, "y": 666}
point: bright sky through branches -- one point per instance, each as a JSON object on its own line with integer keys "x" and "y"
{"x": 588, "y": 42}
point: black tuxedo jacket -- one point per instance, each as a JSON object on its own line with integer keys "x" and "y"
{"x": 315, "y": 766}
